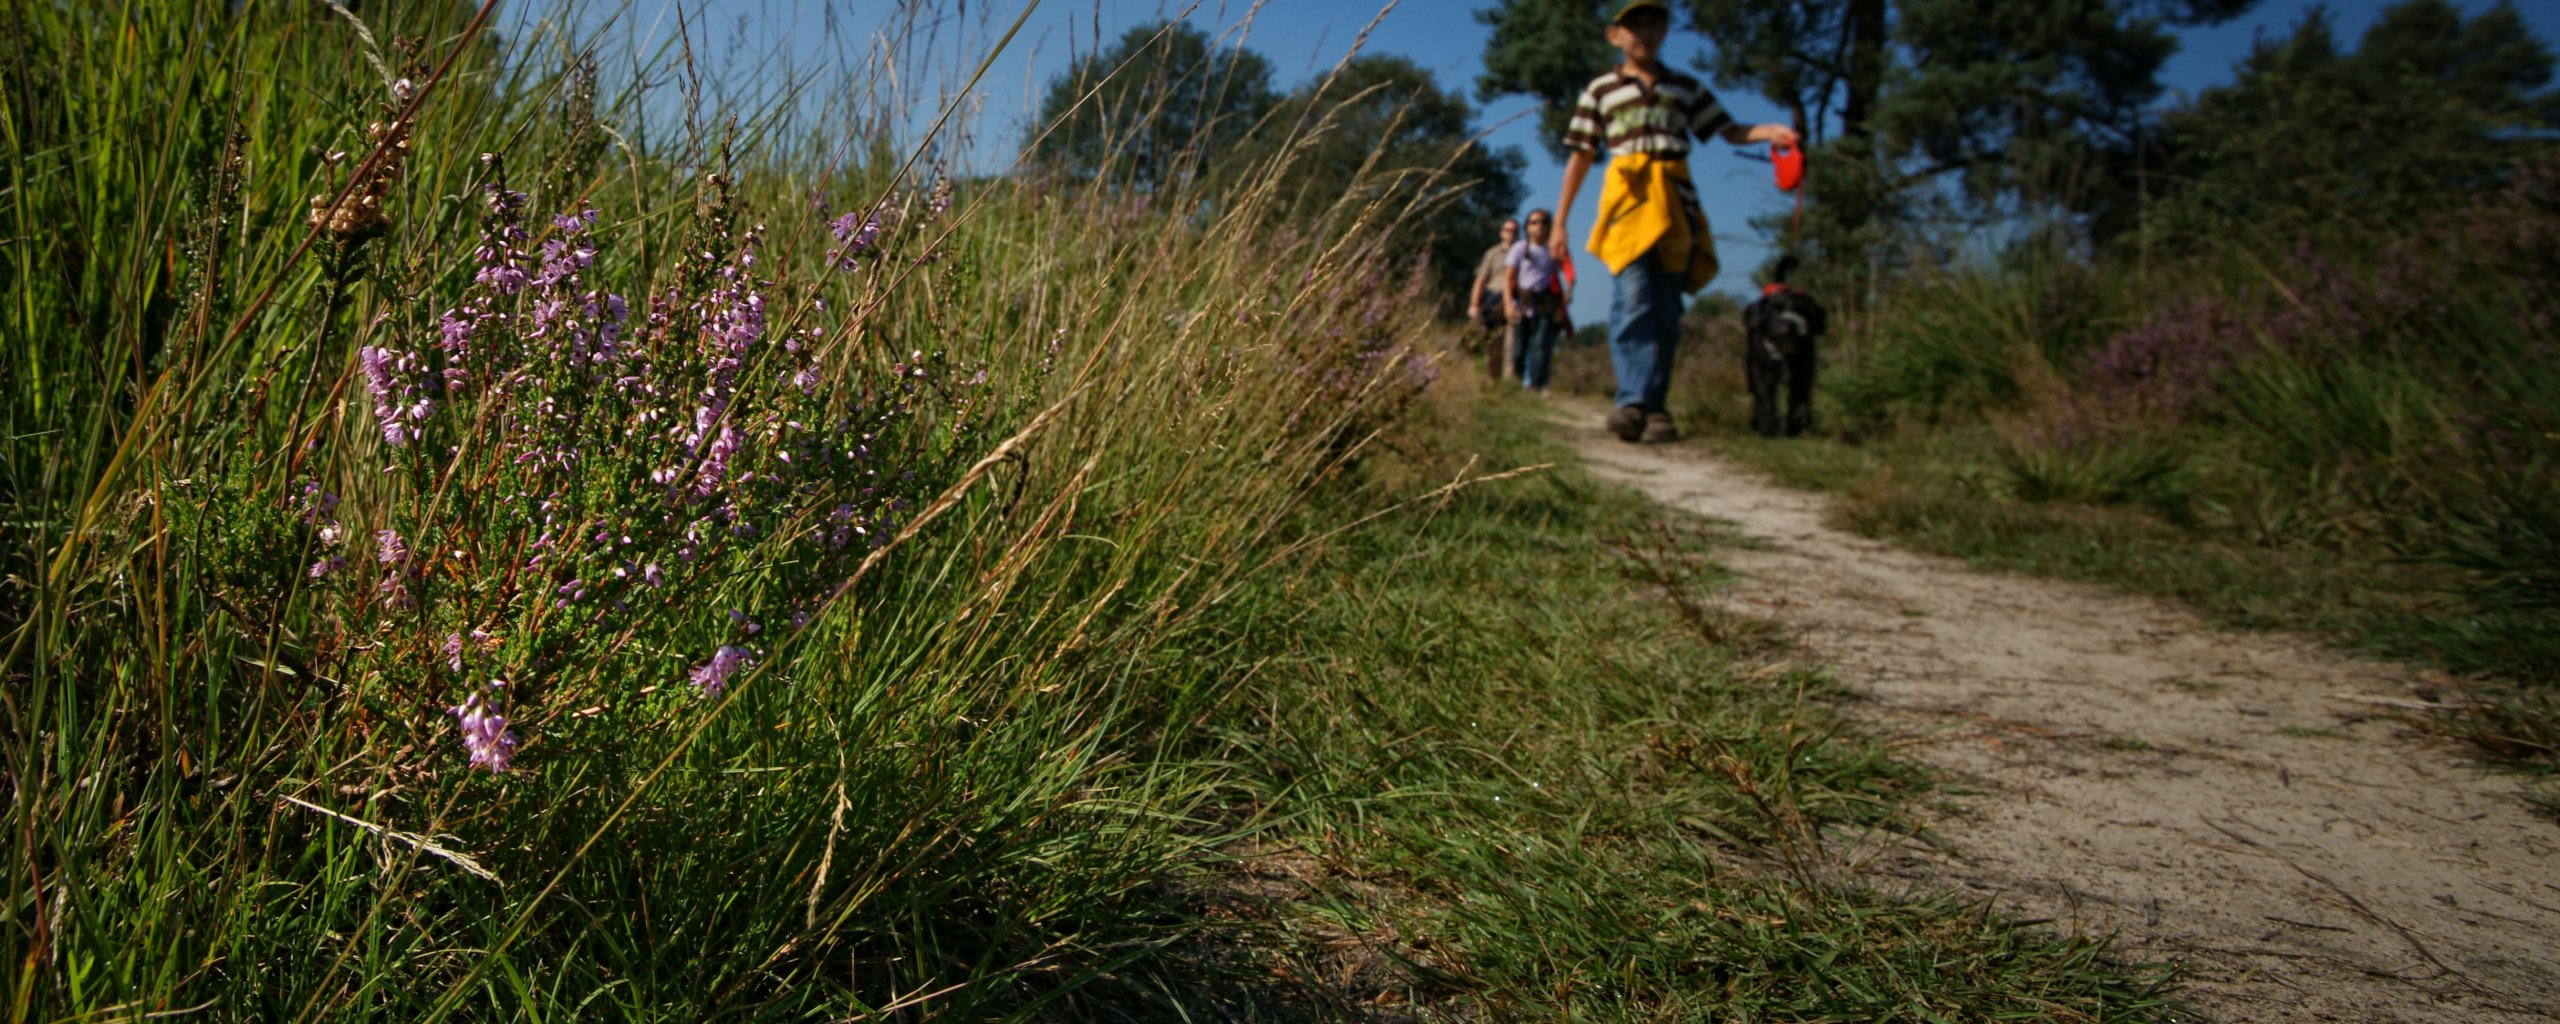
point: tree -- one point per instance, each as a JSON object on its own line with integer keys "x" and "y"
{"x": 1549, "y": 49}
{"x": 1164, "y": 100}
{"x": 2015, "y": 99}
{"x": 2310, "y": 138}
{"x": 1391, "y": 133}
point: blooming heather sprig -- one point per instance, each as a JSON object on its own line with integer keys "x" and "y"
{"x": 712, "y": 676}
{"x": 388, "y": 548}
{"x": 858, "y": 232}
{"x": 316, "y": 506}
{"x": 484, "y": 731}
{"x": 938, "y": 201}
{"x": 401, "y": 404}
{"x": 500, "y": 255}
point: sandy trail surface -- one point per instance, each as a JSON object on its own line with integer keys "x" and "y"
{"x": 2249, "y": 806}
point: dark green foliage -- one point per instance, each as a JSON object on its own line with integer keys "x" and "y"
{"x": 2012, "y": 97}
{"x": 1391, "y": 136}
{"x": 1153, "y": 109}
{"x": 1548, "y": 49}
{"x": 2022, "y": 103}
{"x": 2311, "y": 139}
{"x": 1962, "y": 341}
{"x": 1374, "y": 143}
{"x": 2147, "y": 473}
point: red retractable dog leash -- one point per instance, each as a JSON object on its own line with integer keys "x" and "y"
{"x": 1789, "y": 162}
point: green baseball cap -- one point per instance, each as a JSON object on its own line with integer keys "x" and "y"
{"x": 1632, "y": 6}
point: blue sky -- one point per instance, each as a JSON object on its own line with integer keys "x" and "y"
{"x": 1304, "y": 37}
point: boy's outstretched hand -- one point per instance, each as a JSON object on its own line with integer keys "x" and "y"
{"x": 1777, "y": 133}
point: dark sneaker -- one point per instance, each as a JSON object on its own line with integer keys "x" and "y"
{"x": 1658, "y": 429}
{"x": 1627, "y": 422}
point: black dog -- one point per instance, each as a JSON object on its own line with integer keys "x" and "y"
{"x": 1782, "y": 326}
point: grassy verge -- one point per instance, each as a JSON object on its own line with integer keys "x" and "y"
{"x": 1942, "y": 491}
{"x": 1502, "y": 774}
{"x": 1937, "y": 492}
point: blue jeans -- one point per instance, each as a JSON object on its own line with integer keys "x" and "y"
{"x": 1537, "y": 350}
{"x": 1644, "y": 332}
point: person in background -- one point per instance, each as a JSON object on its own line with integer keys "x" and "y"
{"x": 1534, "y": 290}
{"x": 1485, "y": 305}
{"x": 1650, "y": 233}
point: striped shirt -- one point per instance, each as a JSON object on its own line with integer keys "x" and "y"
{"x": 1619, "y": 111}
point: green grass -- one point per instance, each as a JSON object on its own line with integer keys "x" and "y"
{"x": 2354, "y": 438}
{"x": 1940, "y": 492}
{"x": 2322, "y": 493}
{"x": 1944, "y": 491}
{"x": 1073, "y": 429}
{"x": 1509, "y": 783}
{"x": 1138, "y": 612}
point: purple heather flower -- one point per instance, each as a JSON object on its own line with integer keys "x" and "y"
{"x": 502, "y": 276}
{"x": 484, "y": 732}
{"x": 713, "y": 676}
{"x": 453, "y": 651}
{"x": 390, "y": 378}
{"x": 858, "y": 233}
{"x": 457, "y": 326}
{"x": 395, "y": 594}
{"x": 317, "y": 504}
{"x": 389, "y": 549}
{"x": 327, "y": 565}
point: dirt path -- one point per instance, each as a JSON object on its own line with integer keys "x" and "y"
{"x": 2242, "y": 804}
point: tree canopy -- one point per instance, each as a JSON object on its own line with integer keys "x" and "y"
{"x": 2013, "y": 99}
{"x": 2311, "y": 137}
{"x": 1152, "y": 108}
{"x": 1169, "y": 107}
{"x": 1388, "y": 131}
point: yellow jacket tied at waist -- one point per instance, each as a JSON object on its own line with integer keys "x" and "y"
{"x": 1648, "y": 204}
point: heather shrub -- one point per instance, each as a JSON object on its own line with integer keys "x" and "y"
{"x": 497, "y": 540}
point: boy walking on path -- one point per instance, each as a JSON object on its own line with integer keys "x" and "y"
{"x": 1650, "y": 232}
{"x": 1534, "y": 289}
